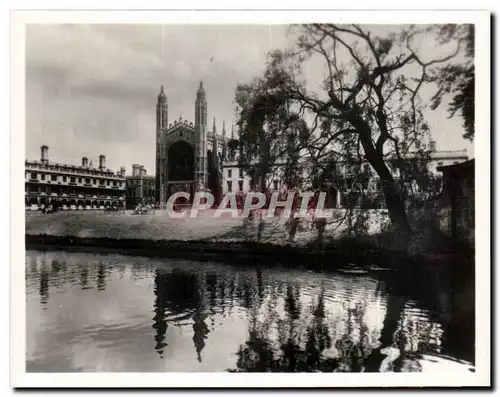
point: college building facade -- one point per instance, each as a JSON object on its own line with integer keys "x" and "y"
{"x": 67, "y": 186}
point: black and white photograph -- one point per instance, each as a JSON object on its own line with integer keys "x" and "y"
{"x": 237, "y": 192}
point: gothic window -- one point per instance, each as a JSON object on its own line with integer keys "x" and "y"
{"x": 181, "y": 161}
{"x": 241, "y": 173}
{"x": 53, "y": 178}
{"x": 275, "y": 185}
{"x": 229, "y": 186}
{"x": 240, "y": 185}
{"x": 229, "y": 173}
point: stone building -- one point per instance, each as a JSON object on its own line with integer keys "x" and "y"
{"x": 459, "y": 200}
{"x": 140, "y": 187}
{"x": 82, "y": 187}
{"x": 189, "y": 156}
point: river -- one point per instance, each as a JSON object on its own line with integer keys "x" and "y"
{"x": 88, "y": 312}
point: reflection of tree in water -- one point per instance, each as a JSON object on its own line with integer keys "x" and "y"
{"x": 259, "y": 355}
{"x": 395, "y": 306}
{"x": 84, "y": 277}
{"x": 292, "y": 301}
{"x": 101, "y": 276}
{"x": 352, "y": 353}
{"x": 406, "y": 337}
{"x": 260, "y": 286}
{"x": 309, "y": 349}
{"x": 245, "y": 293}
{"x": 58, "y": 266}
{"x": 212, "y": 290}
{"x": 33, "y": 269}
{"x": 318, "y": 340}
{"x": 249, "y": 291}
{"x": 44, "y": 285}
{"x": 459, "y": 328}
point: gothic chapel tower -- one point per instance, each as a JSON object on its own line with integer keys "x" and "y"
{"x": 161, "y": 126}
{"x": 200, "y": 145}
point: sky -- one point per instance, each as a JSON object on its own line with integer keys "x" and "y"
{"x": 92, "y": 89}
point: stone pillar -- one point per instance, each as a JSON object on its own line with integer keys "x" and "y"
{"x": 200, "y": 146}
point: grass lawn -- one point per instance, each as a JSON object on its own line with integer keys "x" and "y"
{"x": 160, "y": 226}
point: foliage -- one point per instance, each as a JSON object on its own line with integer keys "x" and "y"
{"x": 366, "y": 110}
{"x": 457, "y": 80}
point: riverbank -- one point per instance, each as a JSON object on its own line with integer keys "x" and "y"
{"x": 204, "y": 236}
{"x": 216, "y": 238}
{"x": 344, "y": 253}
{"x": 160, "y": 226}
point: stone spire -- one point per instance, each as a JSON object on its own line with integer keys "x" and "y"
{"x": 215, "y": 144}
{"x": 161, "y": 96}
{"x": 224, "y": 142}
{"x": 161, "y": 126}
{"x": 216, "y": 166}
{"x": 201, "y": 138}
{"x": 201, "y": 91}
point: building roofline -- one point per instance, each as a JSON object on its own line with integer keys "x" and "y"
{"x": 452, "y": 168}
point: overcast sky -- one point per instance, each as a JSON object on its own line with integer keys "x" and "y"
{"x": 92, "y": 89}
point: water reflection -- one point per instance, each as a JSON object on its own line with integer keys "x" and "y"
{"x": 44, "y": 285}
{"x": 211, "y": 317}
{"x": 160, "y": 320}
{"x": 101, "y": 276}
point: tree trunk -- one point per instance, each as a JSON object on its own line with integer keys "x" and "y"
{"x": 396, "y": 208}
{"x": 393, "y": 200}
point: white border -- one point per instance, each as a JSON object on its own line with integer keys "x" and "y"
{"x": 19, "y": 378}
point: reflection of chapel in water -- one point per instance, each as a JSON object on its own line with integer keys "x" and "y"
{"x": 184, "y": 151}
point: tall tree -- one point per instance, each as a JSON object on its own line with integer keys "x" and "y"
{"x": 366, "y": 108}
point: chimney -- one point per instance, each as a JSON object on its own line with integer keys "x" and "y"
{"x": 122, "y": 171}
{"x": 102, "y": 162}
{"x": 85, "y": 162}
{"x": 135, "y": 169}
{"x": 142, "y": 171}
{"x": 44, "y": 157}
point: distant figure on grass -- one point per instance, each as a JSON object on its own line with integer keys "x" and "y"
{"x": 50, "y": 209}
{"x": 143, "y": 209}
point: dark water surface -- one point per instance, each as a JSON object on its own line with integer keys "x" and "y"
{"x": 96, "y": 312}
